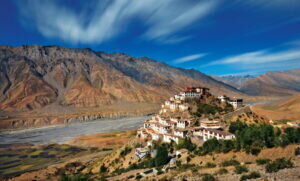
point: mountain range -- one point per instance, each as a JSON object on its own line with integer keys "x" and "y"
{"x": 33, "y": 77}
{"x": 284, "y": 83}
{"x": 236, "y": 81}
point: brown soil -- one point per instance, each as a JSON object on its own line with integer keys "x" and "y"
{"x": 104, "y": 140}
{"x": 288, "y": 108}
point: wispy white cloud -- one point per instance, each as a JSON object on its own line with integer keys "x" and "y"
{"x": 260, "y": 57}
{"x": 109, "y": 18}
{"x": 261, "y": 60}
{"x": 189, "y": 58}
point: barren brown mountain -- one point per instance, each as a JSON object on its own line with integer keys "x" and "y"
{"x": 48, "y": 78}
{"x": 35, "y": 76}
{"x": 274, "y": 84}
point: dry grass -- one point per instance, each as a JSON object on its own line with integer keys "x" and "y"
{"x": 104, "y": 140}
{"x": 288, "y": 108}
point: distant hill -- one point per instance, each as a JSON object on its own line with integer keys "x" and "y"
{"x": 274, "y": 84}
{"x": 32, "y": 77}
{"x": 288, "y": 108}
{"x": 236, "y": 81}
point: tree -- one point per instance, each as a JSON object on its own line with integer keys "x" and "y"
{"x": 185, "y": 143}
{"x": 293, "y": 134}
{"x": 278, "y": 164}
{"x": 211, "y": 145}
{"x": 237, "y": 126}
{"x": 162, "y": 156}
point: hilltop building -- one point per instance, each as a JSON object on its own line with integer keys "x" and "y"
{"x": 168, "y": 128}
{"x": 236, "y": 103}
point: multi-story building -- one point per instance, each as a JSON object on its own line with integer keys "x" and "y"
{"x": 210, "y": 124}
{"x": 236, "y": 103}
{"x": 212, "y": 133}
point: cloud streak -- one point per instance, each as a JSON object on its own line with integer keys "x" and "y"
{"x": 189, "y": 58}
{"x": 260, "y": 57}
{"x": 109, "y": 18}
{"x": 261, "y": 60}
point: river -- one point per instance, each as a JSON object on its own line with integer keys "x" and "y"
{"x": 63, "y": 133}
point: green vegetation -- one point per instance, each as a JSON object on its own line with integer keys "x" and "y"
{"x": 222, "y": 171}
{"x": 125, "y": 151}
{"x": 207, "y": 109}
{"x": 103, "y": 169}
{"x": 218, "y": 146}
{"x": 262, "y": 161}
{"x": 185, "y": 143}
{"x": 230, "y": 163}
{"x": 210, "y": 165}
{"x": 160, "y": 159}
{"x": 26, "y": 159}
{"x": 79, "y": 177}
{"x": 282, "y": 121}
{"x": 252, "y": 175}
{"x": 278, "y": 164}
{"x": 162, "y": 156}
{"x": 208, "y": 177}
{"x": 297, "y": 151}
{"x": 251, "y": 138}
{"x": 240, "y": 169}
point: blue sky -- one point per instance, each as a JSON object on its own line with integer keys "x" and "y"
{"x": 218, "y": 37}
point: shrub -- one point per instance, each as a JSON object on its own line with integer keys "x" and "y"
{"x": 102, "y": 169}
{"x": 237, "y": 126}
{"x": 162, "y": 157}
{"x": 185, "y": 166}
{"x": 188, "y": 159}
{"x": 230, "y": 163}
{"x": 252, "y": 175}
{"x": 222, "y": 171}
{"x": 262, "y": 161}
{"x": 278, "y": 164}
{"x": 125, "y": 151}
{"x": 138, "y": 177}
{"x": 297, "y": 151}
{"x": 210, "y": 165}
{"x": 240, "y": 169}
{"x": 208, "y": 177}
{"x": 79, "y": 177}
{"x": 185, "y": 143}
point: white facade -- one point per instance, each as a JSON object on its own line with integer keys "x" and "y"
{"x": 180, "y": 133}
{"x": 236, "y": 103}
{"x": 208, "y": 134}
{"x": 182, "y": 124}
{"x": 190, "y": 94}
{"x": 207, "y": 124}
{"x": 223, "y": 98}
{"x": 169, "y": 138}
{"x": 183, "y": 107}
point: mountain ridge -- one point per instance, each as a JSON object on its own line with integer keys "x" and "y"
{"x": 34, "y": 76}
{"x": 283, "y": 83}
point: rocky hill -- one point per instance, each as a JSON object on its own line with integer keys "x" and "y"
{"x": 236, "y": 81}
{"x": 32, "y": 77}
{"x": 274, "y": 84}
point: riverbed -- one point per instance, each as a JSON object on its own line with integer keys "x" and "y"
{"x": 60, "y": 134}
